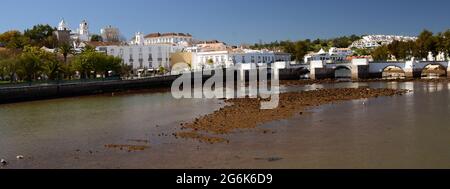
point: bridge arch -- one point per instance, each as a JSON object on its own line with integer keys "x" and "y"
{"x": 393, "y": 72}
{"x": 433, "y": 70}
{"x": 342, "y": 71}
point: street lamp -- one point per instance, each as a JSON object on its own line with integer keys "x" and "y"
{"x": 57, "y": 77}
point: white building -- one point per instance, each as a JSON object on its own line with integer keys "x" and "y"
{"x": 81, "y": 35}
{"x": 142, "y": 57}
{"x": 373, "y": 41}
{"x": 227, "y": 58}
{"x": 62, "y": 26}
{"x": 62, "y": 32}
{"x": 138, "y": 39}
{"x": 168, "y": 38}
{"x": 211, "y": 60}
{"x": 333, "y": 55}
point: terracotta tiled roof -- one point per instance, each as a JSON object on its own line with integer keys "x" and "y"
{"x": 152, "y": 35}
{"x": 99, "y": 43}
{"x": 209, "y": 42}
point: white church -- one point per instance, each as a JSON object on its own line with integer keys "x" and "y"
{"x": 80, "y": 35}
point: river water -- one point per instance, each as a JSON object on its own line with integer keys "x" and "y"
{"x": 409, "y": 131}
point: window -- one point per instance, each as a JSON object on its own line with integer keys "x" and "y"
{"x": 141, "y": 60}
{"x": 131, "y": 57}
{"x": 150, "y": 58}
{"x": 121, "y": 53}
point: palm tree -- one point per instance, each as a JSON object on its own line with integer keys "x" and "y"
{"x": 125, "y": 70}
{"x": 65, "y": 49}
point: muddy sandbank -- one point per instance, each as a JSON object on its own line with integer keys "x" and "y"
{"x": 245, "y": 113}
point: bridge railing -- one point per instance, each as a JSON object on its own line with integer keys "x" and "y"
{"x": 416, "y": 61}
{"x": 384, "y": 62}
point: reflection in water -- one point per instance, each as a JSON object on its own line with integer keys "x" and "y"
{"x": 434, "y": 87}
{"x": 409, "y": 131}
{"x": 305, "y": 76}
{"x": 432, "y": 76}
{"x": 408, "y": 85}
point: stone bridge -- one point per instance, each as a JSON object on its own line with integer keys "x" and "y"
{"x": 362, "y": 68}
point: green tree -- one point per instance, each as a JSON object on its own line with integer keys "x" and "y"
{"x": 90, "y": 61}
{"x": 9, "y": 65}
{"x": 440, "y": 44}
{"x": 125, "y": 70}
{"x": 82, "y": 64}
{"x": 31, "y": 64}
{"x": 104, "y": 64}
{"x": 300, "y": 50}
{"x": 114, "y": 65}
{"x": 343, "y": 42}
{"x": 289, "y": 47}
{"x": 446, "y": 43}
{"x": 399, "y": 49}
{"x": 52, "y": 67}
{"x": 96, "y": 38}
{"x": 41, "y": 35}
{"x": 426, "y": 43}
{"x": 380, "y": 53}
{"x": 88, "y": 48}
{"x": 297, "y": 49}
{"x": 65, "y": 49}
{"x": 361, "y": 52}
{"x": 14, "y": 40}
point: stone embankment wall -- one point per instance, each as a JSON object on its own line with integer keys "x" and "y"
{"x": 38, "y": 92}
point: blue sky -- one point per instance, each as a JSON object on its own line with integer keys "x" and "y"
{"x": 236, "y": 21}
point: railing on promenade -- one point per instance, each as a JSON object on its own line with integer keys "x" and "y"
{"x": 77, "y": 81}
{"x": 56, "y": 82}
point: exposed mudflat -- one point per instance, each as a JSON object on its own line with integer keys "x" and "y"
{"x": 245, "y": 113}
{"x": 306, "y": 82}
